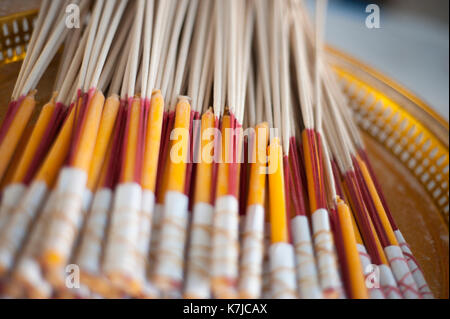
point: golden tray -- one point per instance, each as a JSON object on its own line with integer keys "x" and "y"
{"x": 407, "y": 141}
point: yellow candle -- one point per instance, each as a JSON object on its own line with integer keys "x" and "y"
{"x": 34, "y": 141}
{"x": 153, "y": 141}
{"x": 105, "y": 131}
{"x": 15, "y": 131}
{"x": 9, "y": 175}
{"x": 277, "y": 201}
{"x": 355, "y": 271}
{"x": 204, "y": 169}
{"x": 104, "y": 168}
{"x": 89, "y": 132}
{"x": 257, "y": 181}
{"x": 355, "y": 227}
{"x": 131, "y": 143}
{"x": 222, "y": 171}
{"x": 309, "y": 172}
{"x": 379, "y": 206}
{"x": 177, "y": 169}
{"x": 58, "y": 152}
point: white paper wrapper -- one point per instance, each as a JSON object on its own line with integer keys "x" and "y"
{"x": 149, "y": 291}
{"x": 30, "y": 272}
{"x": 375, "y": 293}
{"x": 67, "y": 216}
{"x": 82, "y": 293}
{"x": 325, "y": 252}
{"x": 86, "y": 203}
{"x": 252, "y": 253}
{"x": 172, "y": 241}
{"x": 266, "y": 293}
{"x": 94, "y": 233}
{"x": 28, "y": 269}
{"x": 198, "y": 264}
{"x": 388, "y": 283}
{"x": 145, "y": 226}
{"x": 225, "y": 242}
{"x": 414, "y": 267}
{"x": 11, "y": 197}
{"x": 34, "y": 243}
{"x": 120, "y": 257}
{"x": 154, "y": 237}
{"x": 16, "y": 227}
{"x": 400, "y": 269}
{"x": 308, "y": 281}
{"x": 282, "y": 271}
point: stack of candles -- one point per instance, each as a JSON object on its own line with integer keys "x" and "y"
{"x": 223, "y": 163}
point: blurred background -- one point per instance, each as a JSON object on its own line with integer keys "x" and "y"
{"x": 411, "y": 46}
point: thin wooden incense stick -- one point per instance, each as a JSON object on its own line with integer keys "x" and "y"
{"x": 388, "y": 283}
{"x": 377, "y": 194}
{"x": 226, "y": 218}
{"x": 120, "y": 254}
{"x": 328, "y": 274}
{"x": 70, "y": 209}
{"x": 281, "y": 251}
{"x": 198, "y": 259}
{"x": 169, "y": 267}
{"x": 250, "y": 285}
{"x": 400, "y": 269}
{"x": 44, "y": 21}
{"x": 306, "y": 269}
{"x": 223, "y": 163}
{"x": 15, "y": 228}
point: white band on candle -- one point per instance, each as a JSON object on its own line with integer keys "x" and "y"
{"x": 86, "y": 202}
{"x": 225, "y": 239}
{"x": 67, "y": 216}
{"x": 325, "y": 252}
{"x": 11, "y": 196}
{"x": 28, "y": 270}
{"x": 266, "y": 292}
{"x": 172, "y": 239}
{"x": 401, "y": 272}
{"x": 252, "y": 253}
{"x": 120, "y": 257}
{"x": 282, "y": 271}
{"x": 154, "y": 236}
{"x": 16, "y": 227}
{"x": 94, "y": 233}
{"x": 375, "y": 292}
{"x": 197, "y": 274}
{"x": 414, "y": 267}
{"x": 308, "y": 281}
{"x": 388, "y": 283}
{"x": 145, "y": 226}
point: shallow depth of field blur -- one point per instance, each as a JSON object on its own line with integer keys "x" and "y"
{"x": 411, "y": 46}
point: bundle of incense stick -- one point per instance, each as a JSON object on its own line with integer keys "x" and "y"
{"x": 191, "y": 149}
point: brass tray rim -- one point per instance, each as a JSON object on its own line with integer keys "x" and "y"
{"x": 18, "y": 14}
{"x": 394, "y": 85}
